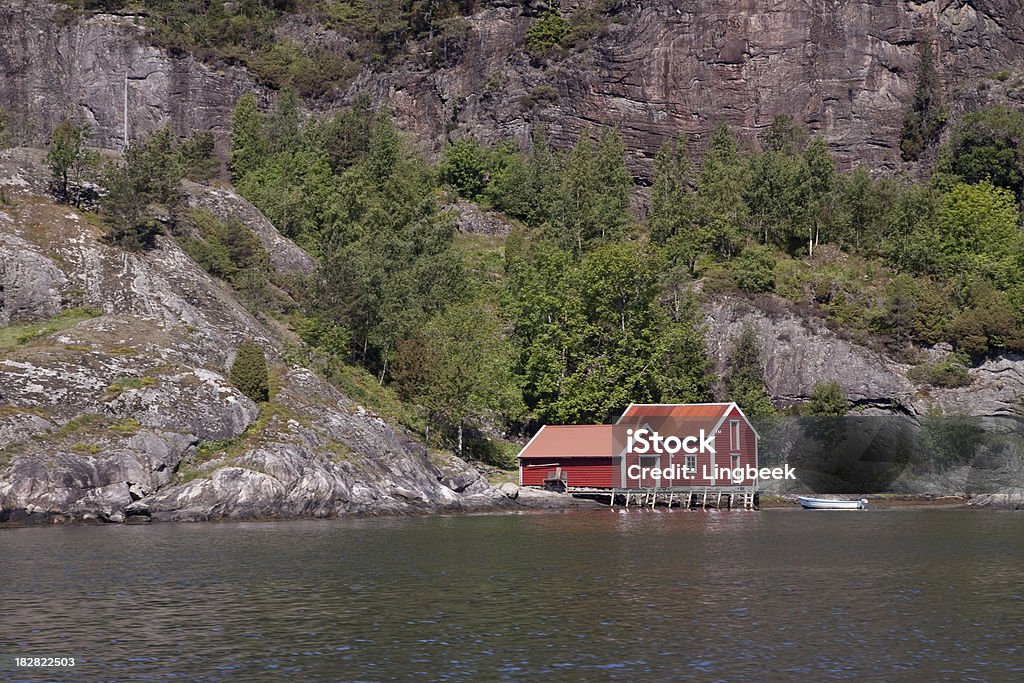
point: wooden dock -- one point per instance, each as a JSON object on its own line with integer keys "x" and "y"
{"x": 683, "y": 497}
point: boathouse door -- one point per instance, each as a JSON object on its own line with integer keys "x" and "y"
{"x": 647, "y": 463}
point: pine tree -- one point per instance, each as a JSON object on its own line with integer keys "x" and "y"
{"x": 126, "y": 211}
{"x": 745, "y": 379}
{"x": 613, "y": 184}
{"x": 926, "y": 115}
{"x": 249, "y": 372}
{"x": 721, "y": 209}
{"x": 153, "y": 165}
{"x": 248, "y": 139}
{"x": 544, "y": 179}
{"x": 671, "y": 209}
{"x": 284, "y": 125}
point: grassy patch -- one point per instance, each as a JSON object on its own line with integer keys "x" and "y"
{"x": 9, "y": 410}
{"x": 363, "y": 388}
{"x": 19, "y": 335}
{"x": 129, "y": 425}
{"x": 484, "y": 256}
{"x": 80, "y": 423}
{"x": 86, "y": 448}
{"x": 122, "y": 384}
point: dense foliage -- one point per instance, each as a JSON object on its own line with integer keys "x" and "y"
{"x": 581, "y": 324}
{"x": 593, "y": 308}
{"x": 249, "y": 372}
{"x": 598, "y": 308}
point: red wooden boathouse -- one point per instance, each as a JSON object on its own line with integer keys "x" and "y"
{"x": 595, "y": 456}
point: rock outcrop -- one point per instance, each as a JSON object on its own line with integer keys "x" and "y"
{"x": 799, "y": 351}
{"x": 58, "y": 62}
{"x": 119, "y": 408}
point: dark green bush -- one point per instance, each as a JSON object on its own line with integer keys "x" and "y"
{"x": 754, "y": 269}
{"x": 546, "y": 34}
{"x": 249, "y": 372}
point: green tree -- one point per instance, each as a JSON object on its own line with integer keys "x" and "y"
{"x": 249, "y": 372}
{"x": 616, "y": 341}
{"x": 248, "y": 138}
{"x": 745, "y": 375}
{"x": 613, "y": 184}
{"x": 464, "y": 166}
{"x": 153, "y": 164}
{"x": 284, "y": 125}
{"x": 197, "y": 157}
{"x": 4, "y": 127}
{"x": 547, "y": 323}
{"x": 827, "y": 400}
{"x": 574, "y": 223}
{"x": 926, "y": 114}
{"x": 66, "y": 158}
{"x": 672, "y": 210}
{"x": 671, "y": 207}
{"x": 979, "y": 232}
{"x": 821, "y": 186}
{"x": 388, "y": 262}
{"x": 684, "y": 375}
{"x": 126, "y": 212}
{"x": 988, "y": 322}
{"x": 988, "y": 145}
{"x": 544, "y": 179}
{"x": 471, "y": 374}
{"x": 860, "y": 207}
{"x": 721, "y": 210}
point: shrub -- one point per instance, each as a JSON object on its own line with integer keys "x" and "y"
{"x": 197, "y": 157}
{"x": 754, "y": 270}
{"x": 827, "y": 399}
{"x": 465, "y": 167}
{"x": 949, "y": 373}
{"x": 249, "y": 372}
{"x": 546, "y": 34}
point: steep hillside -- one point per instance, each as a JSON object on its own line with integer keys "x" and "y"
{"x": 656, "y": 70}
{"x": 114, "y": 400}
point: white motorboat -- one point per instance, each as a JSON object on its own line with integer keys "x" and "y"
{"x": 830, "y": 504}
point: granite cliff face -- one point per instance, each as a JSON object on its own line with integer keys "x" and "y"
{"x": 56, "y": 63}
{"x": 119, "y": 407}
{"x": 659, "y": 69}
{"x": 665, "y": 68}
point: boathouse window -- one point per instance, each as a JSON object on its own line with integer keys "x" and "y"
{"x": 734, "y": 435}
{"x": 690, "y": 464}
{"x": 735, "y": 465}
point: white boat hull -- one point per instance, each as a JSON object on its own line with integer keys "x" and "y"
{"x": 828, "y": 504}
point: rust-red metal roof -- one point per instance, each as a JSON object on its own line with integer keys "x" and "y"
{"x": 570, "y": 441}
{"x": 708, "y": 411}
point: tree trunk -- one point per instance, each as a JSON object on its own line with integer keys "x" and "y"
{"x": 460, "y": 438}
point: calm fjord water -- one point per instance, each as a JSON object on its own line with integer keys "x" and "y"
{"x": 922, "y": 595}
